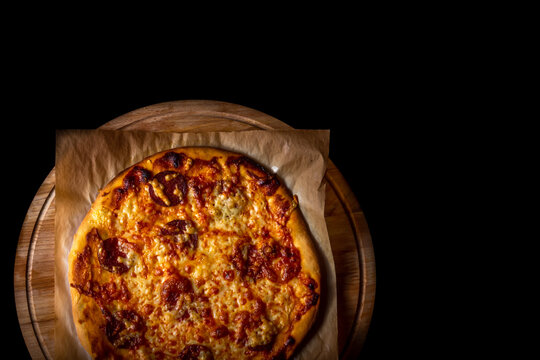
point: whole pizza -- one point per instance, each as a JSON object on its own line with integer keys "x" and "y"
{"x": 193, "y": 253}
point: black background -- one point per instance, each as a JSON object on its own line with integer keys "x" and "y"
{"x": 378, "y": 116}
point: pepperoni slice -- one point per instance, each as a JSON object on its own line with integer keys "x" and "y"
{"x": 168, "y": 188}
{"x": 275, "y": 262}
{"x": 186, "y": 228}
{"x": 108, "y": 253}
{"x": 176, "y": 227}
{"x": 196, "y": 352}
{"x": 113, "y": 325}
{"x": 135, "y": 327}
{"x": 125, "y": 328}
{"x": 173, "y": 287}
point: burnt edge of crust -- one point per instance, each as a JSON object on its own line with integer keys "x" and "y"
{"x": 131, "y": 181}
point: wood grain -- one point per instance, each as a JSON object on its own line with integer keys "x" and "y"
{"x": 349, "y": 234}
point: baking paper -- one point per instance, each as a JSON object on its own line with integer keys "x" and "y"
{"x": 86, "y": 160}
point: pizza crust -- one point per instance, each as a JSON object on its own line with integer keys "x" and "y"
{"x": 310, "y": 264}
{"x": 89, "y": 325}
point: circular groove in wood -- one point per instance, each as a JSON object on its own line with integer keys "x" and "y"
{"x": 351, "y": 334}
{"x": 363, "y": 294}
{"x": 30, "y": 257}
{"x": 219, "y": 114}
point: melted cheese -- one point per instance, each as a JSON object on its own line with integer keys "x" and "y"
{"x": 158, "y": 190}
{"x": 101, "y": 218}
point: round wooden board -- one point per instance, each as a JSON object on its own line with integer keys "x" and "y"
{"x": 347, "y": 228}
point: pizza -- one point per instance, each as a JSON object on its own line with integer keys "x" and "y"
{"x": 194, "y": 253}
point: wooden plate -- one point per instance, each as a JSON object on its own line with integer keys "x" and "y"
{"x": 347, "y": 227}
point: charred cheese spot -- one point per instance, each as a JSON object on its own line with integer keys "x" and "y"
{"x": 135, "y": 178}
{"x": 170, "y": 160}
{"x": 132, "y": 183}
{"x": 82, "y": 272}
{"x": 281, "y": 208}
